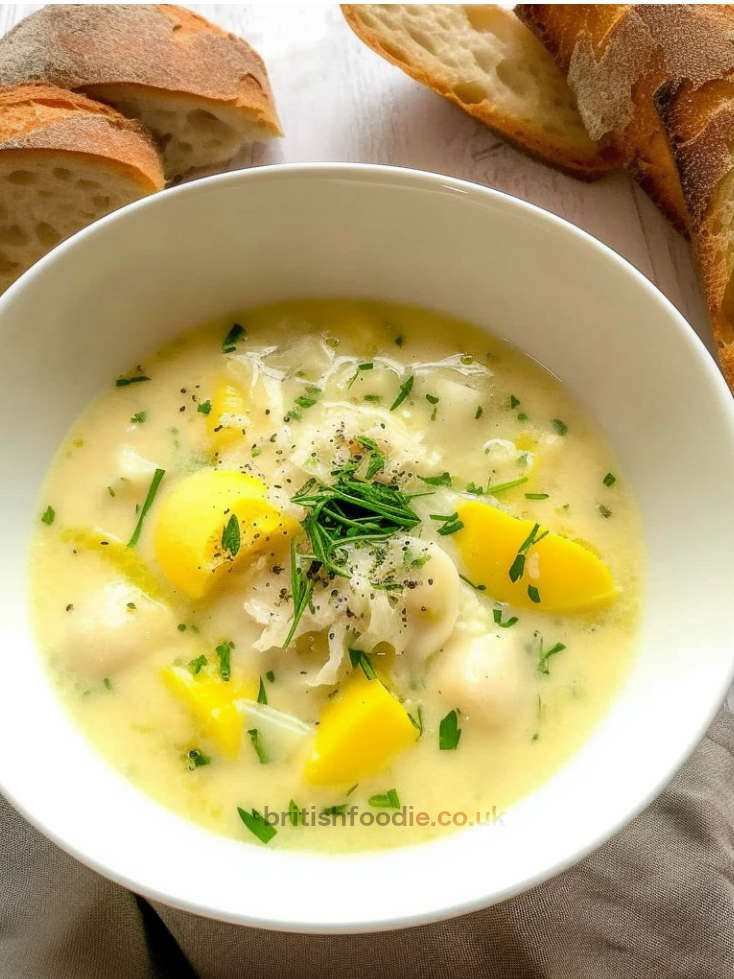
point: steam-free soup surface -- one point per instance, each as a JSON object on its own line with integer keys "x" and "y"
{"x": 297, "y": 561}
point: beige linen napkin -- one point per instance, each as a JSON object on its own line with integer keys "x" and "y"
{"x": 656, "y": 902}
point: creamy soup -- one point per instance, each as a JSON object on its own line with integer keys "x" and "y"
{"x": 336, "y": 575}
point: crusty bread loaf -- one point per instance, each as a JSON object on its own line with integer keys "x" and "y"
{"x": 700, "y": 125}
{"x": 484, "y": 60}
{"x": 64, "y": 162}
{"x": 203, "y": 93}
{"x": 617, "y": 56}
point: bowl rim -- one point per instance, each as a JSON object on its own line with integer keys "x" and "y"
{"x": 406, "y": 178}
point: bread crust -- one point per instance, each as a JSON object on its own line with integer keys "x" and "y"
{"x": 555, "y": 151}
{"x": 36, "y": 118}
{"x": 617, "y": 57}
{"x": 159, "y": 47}
{"x": 700, "y": 125}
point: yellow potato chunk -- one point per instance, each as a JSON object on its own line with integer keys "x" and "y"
{"x": 565, "y": 575}
{"x": 211, "y": 702}
{"x": 359, "y": 733}
{"x": 191, "y": 521}
{"x": 228, "y": 414}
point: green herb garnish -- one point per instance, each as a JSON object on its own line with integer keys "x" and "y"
{"x": 471, "y": 583}
{"x": 197, "y": 664}
{"x": 139, "y": 417}
{"x": 262, "y": 694}
{"x": 475, "y": 489}
{"x": 256, "y": 824}
{"x": 508, "y": 623}
{"x": 360, "y": 369}
{"x": 387, "y": 800}
{"x": 375, "y": 398}
{"x": 204, "y": 408}
{"x": 270, "y": 676}
{"x": 405, "y": 388}
{"x": 605, "y": 511}
{"x": 295, "y": 813}
{"x": 514, "y": 402}
{"x": 479, "y": 412}
{"x": 444, "y": 479}
{"x": 545, "y": 654}
{"x": 335, "y": 810}
{"x": 533, "y": 594}
{"x": 511, "y": 484}
{"x": 258, "y": 746}
{"x": 537, "y": 496}
{"x": 432, "y": 399}
{"x": 224, "y": 651}
{"x": 359, "y": 658}
{"x": 417, "y": 721}
{"x": 108, "y": 683}
{"x": 609, "y": 480}
{"x": 122, "y": 382}
{"x": 150, "y": 496}
{"x": 560, "y": 426}
{"x": 231, "y": 535}
{"x": 449, "y": 732}
{"x": 48, "y": 516}
{"x": 196, "y": 758}
{"x": 518, "y": 565}
{"x": 233, "y": 337}
{"x": 301, "y": 590}
{"x": 451, "y": 523}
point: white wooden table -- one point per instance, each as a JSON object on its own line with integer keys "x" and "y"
{"x": 338, "y": 101}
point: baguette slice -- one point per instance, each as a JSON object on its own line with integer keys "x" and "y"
{"x": 700, "y": 124}
{"x": 64, "y": 162}
{"x": 203, "y": 93}
{"x": 616, "y": 57}
{"x": 481, "y": 58}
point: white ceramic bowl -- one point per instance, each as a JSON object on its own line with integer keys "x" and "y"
{"x": 102, "y": 300}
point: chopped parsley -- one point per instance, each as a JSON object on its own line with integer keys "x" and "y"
{"x": 270, "y": 676}
{"x": 139, "y": 417}
{"x": 48, "y": 516}
{"x": 224, "y": 651}
{"x": 449, "y": 732}
{"x": 386, "y": 800}
{"x": 560, "y": 426}
{"x": 108, "y": 683}
{"x": 204, "y": 407}
{"x": 521, "y": 416}
{"x": 233, "y": 337}
{"x": 262, "y": 694}
{"x": 196, "y": 758}
{"x": 497, "y": 616}
{"x": 605, "y": 511}
{"x": 150, "y": 496}
{"x": 609, "y": 480}
{"x": 359, "y": 658}
{"x": 444, "y": 479}
{"x": 545, "y": 654}
{"x": 533, "y": 594}
{"x": 479, "y": 412}
{"x": 405, "y": 388}
{"x": 231, "y": 536}
{"x": 257, "y": 825}
{"x": 375, "y": 398}
{"x": 122, "y": 382}
{"x": 257, "y": 744}
{"x": 197, "y": 664}
{"x": 514, "y": 402}
{"x": 181, "y": 627}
